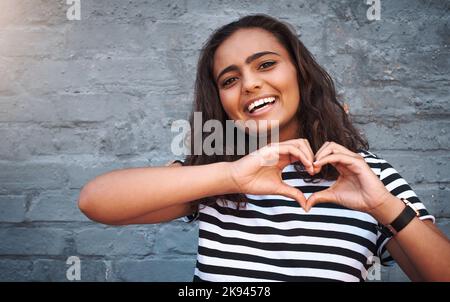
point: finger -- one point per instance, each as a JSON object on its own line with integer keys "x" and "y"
{"x": 321, "y": 148}
{"x": 304, "y": 146}
{"x": 317, "y": 168}
{"x": 320, "y": 197}
{"x": 293, "y": 193}
{"x": 270, "y": 154}
{"x": 350, "y": 162}
{"x": 309, "y": 147}
{"x": 297, "y": 153}
{"x": 308, "y": 166}
{"x": 333, "y": 148}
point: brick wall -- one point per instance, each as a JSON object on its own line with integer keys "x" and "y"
{"x": 79, "y": 98}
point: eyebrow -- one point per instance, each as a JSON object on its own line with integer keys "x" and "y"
{"x": 247, "y": 61}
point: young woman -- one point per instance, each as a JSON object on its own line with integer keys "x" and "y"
{"x": 325, "y": 210}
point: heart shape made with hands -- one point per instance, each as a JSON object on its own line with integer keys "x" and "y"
{"x": 310, "y": 161}
{"x": 355, "y": 176}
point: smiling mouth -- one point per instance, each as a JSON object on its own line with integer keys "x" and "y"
{"x": 260, "y": 105}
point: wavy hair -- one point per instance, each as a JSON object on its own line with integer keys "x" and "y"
{"x": 322, "y": 118}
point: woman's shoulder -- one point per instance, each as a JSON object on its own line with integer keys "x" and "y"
{"x": 368, "y": 154}
{"x": 376, "y": 163}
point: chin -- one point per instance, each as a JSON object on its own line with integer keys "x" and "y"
{"x": 258, "y": 127}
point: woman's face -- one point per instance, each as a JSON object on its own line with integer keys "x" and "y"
{"x": 257, "y": 80}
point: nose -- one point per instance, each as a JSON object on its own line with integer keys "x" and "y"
{"x": 250, "y": 83}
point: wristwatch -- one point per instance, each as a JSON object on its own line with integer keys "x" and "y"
{"x": 402, "y": 220}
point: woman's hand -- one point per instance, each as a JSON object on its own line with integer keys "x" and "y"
{"x": 357, "y": 187}
{"x": 259, "y": 172}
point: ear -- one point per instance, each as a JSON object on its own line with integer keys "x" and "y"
{"x": 346, "y": 108}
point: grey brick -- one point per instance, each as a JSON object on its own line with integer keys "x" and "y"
{"x": 396, "y": 100}
{"x": 393, "y": 274}
{"x": 56, "y": 206}
{"x": 15, "y": 270}
{"x": 114, "y": 241}
{"x": 176, "y": 270}
{"x": 63, "y": 76}
{"x": 134, "y": 136}
{"x": 57, "y": 76}
{"x": 419, "y": 167}
{"x": 12, "y": 208}
{"x": 55, "y": 270}
{"x": 176, "y": 238}
{"x": 444, "y": 225}
{"x": 11, "y": 69}
{"x": 435, "y": 198}
{"x": 390, "y": 101}
{"x": 86, "y": 168}
{"x": 53, "y": 138}
{"x": 16, "y": 177}
{"x": 408, "y": 135}
{"x": 32, "y": 241}
{"x": 36, "y": 109}
{"x": 136, "y": 12}
{"x": 32, "y": 12}
{"x": 111, "y": 40}
{"x": 26, "y": 42}
{"x": 178, "y": 35}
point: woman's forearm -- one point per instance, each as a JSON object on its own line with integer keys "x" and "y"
{"x": 425, "y": 247}
{"x": 123, "y": 194}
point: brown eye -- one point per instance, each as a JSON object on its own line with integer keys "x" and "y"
{"x": 267, "y": 64}
{"x": 228, "y": 82}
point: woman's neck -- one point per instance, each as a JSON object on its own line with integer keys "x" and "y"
{"x": 288, "y": 131}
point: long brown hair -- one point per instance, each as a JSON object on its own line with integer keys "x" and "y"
{"x": 322, "y": 118}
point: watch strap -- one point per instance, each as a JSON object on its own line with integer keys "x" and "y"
{"x": 402, "y": 220}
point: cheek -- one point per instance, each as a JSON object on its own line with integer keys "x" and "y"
{"x": 230, "y": 101}
{"x": 286, "y": 80}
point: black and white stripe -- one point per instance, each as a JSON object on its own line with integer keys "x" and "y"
{"x": 273, "y": 239}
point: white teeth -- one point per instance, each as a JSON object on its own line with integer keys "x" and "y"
{"x": 260, "y": 102}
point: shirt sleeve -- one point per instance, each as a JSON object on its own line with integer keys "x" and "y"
{"x": 191, "y": 218}
{"x": 399, "y": 187}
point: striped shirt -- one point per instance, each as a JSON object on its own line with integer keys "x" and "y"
{"x": 273, "y": 239}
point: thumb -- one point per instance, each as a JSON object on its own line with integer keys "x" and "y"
{"x": 293, "y": 193}
{"x": 319, "y": 197}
